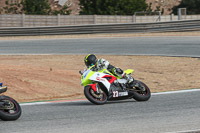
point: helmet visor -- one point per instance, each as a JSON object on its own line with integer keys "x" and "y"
{"x": 90, "y": 65}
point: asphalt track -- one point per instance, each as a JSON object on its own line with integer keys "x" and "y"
{"x": 170, "y": 46}
{"x": 170, "y": 112}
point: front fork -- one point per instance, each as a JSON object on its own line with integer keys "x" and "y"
{"x": 95, "y": 87}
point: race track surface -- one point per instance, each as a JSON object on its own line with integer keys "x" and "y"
{"x": 170, "y": 46}
{"x": 163, "y": 113}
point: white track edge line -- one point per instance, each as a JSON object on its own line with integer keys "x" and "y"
{"x": 186, "y": 131}
{"x": 159, "y": 93}
{"x": 174, "y": 92}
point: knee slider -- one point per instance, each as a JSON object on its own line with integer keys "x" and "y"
{"x": 119, "y": 71}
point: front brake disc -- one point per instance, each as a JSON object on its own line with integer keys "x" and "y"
{"x": 8, "y": 105}
{"x": 99, "y": 96}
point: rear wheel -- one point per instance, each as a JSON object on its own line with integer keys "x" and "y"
{"x": 141, "y": 91}
{"x": 94, "y": 97}
{"x": 10, "y": 110}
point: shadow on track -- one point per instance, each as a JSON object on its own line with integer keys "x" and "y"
{"x": 87, "y": 103}
{"x": 82, "y": 103}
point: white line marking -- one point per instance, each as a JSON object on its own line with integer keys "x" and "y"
{"x": 186, "y": 131}
{"x": 174, "y": 92}
{"x": 34, "y": 103}
{"x": 67, "y": 101}
{"x": 50, "y": 102}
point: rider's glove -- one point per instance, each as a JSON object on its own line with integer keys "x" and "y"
{"x": 99, "y": 65}
{"x": 104, "y": 63}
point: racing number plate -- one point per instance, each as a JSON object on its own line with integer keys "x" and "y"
{"x": 119, "y": 94}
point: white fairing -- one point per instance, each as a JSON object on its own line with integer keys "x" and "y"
{"x": 98, "y": 77}
{"x": 85, "y": 73}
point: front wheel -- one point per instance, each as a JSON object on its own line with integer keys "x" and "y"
{"x": 93, "y": 97}
{"x": 9, "y": 109}
{"x": 141, "y": 91}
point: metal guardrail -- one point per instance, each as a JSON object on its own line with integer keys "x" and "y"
{"x": 172, "y": 26}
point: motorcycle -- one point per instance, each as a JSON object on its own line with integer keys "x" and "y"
{"x": 9, "y": 108}
{"x": 102, "y": 86}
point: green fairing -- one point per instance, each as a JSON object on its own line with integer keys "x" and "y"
{"x": 129, "y": 71}
{"x": 88, "y": 81}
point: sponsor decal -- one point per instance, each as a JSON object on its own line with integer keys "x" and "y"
{"x": 119, "y": 94}
{"x": 100, "y": 79}
{"x": 123, "y": 93}
{"x": 86, "y": 73}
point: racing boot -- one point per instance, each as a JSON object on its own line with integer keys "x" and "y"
{"x": 129, "y": 79}
{"x": 120, "y": 73}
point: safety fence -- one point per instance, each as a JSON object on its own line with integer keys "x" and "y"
{"x": 173, "y": 26}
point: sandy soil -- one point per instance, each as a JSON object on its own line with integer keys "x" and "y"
{"x": 46, "y": 77}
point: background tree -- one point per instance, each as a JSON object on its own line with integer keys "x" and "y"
{"x": 42, "y": 7}
{"x": 36, "y": 7}
{"x": 12, "y": 7}
{"x": 193, "y": 6}
{"x": 112, "y": 7}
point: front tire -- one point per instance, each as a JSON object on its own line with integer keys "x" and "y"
{"x": 141, "y": 95}
{"x": 93, "y": 97}
{"x": 11, "y": 110}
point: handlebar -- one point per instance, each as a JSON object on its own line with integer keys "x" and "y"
{"x": 80, "y": 72}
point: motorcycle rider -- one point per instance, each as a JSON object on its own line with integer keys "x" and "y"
{"x": 91, "y": 60}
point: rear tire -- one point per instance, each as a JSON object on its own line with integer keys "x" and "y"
{"x": 10, "y": 114}
{"x": 98, "y": 99}
{"x": 140, "y": 95}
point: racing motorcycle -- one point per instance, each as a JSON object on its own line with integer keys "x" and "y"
{"x": 101, "y": 86}
{"x": 9, "y": 108}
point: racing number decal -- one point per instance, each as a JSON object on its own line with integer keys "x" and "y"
{"x": 115, "y": 94}
{"x": 119, "y": 94}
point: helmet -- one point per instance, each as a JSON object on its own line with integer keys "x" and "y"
{"x": 90, "y": 60}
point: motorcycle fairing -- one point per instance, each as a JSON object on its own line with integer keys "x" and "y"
{"x": 100, "y": 77}
{"x": 94, "y": 87}
{"x": 129, "y": 71}
{"x": 85, "y": 77}
{"x": 111, "y": 78}
{"x": 103, "y": 76}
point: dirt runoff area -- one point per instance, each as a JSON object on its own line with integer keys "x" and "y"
{"x": 47, "y": 77}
